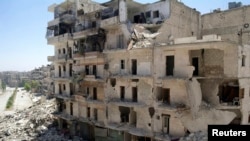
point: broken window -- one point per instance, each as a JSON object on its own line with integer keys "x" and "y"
{"x": 169, "y": 65}
{"x": 122, "y": 64}
{"x": 243, "y": 61}
{"x": 93, "y": 24}
{"x": 165, "y": 123}
{"x": 60, "y": 71}
{"x": 88, "y": 112}
{"x": 166, "y": 96}
{"x": 64, "y": 87}
{"x": 71, "y": 88}
{"x": 241, "y": 94}
{"x": 60, "y": 88}
{"x": 122, "y": 93}
{"x": 120, "y": 41}
{"x": 95, "y": 114}
{"x": 134, "y": 66}
{"x": 163, "y": 95}
{"x": 124, "y": 113}
{"x": 156, "y": 14}
{"x": 195, "y": 63}
{"x": 94, "y": 93}
{"x": 148, "y": 14}
{"x": 133, "y": 118}
{"x": 87, "y": 70}
{"x": 230, "y": 93}
{"x": 137, "y": 19}
{"x": 64, "y": 51}
{"x": 112, "y": 82}
{"x": 71, "y": 109}
{"x": 64, "y": 68}
{"x": 70, "y": 70}
{"x": 87, "y": 90}
{"x": 134, "y": 94}
{"x": 94, "y": 70}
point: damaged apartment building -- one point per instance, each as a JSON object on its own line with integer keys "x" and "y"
{"x": 126, "y": 71}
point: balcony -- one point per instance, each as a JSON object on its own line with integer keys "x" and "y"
{"x": 127, "y": 103}
{"x": 87, "y": 54}
{"x": 64, "y": 116}
{"x": 67, "y": 18}
{"x": 63, "y": 78}
{"x": 109, "y": 23}
{"x": 51, "y": 58}
{"x": 79, "y": 96}
{"x": 60, "y": 38}
{"x": 53, "y": 22}
{"x": 84, "y": 32}
{"x": 63, "y": 96}
{"x": 52, "y": 7}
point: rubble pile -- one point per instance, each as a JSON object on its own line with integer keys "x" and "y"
{"x": 141, "y": 37}
{"x": 196, "y": 136}
{"x": 33, "y": 123}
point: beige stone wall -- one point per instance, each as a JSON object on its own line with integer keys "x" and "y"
{"x": 227, "y": 55}
{"x": 143, "y": 57}
{"x": 183, "y": 22}
{"x": 175, "y": 126}
{"x": 227, "y": 24}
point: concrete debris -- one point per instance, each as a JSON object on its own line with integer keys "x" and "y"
{"x": 197, "y": 136}
{"x": 206, "y": 116}
{"x": 194, "y": 96}
{"x": 35, "y": 123}
{"x": 141, "y": 37}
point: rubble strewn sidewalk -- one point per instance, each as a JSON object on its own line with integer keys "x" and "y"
{"x": 32, "y": 124}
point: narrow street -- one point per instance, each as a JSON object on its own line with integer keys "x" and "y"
{"x": 22, "y": 100}
{"x": 4, "y": 98}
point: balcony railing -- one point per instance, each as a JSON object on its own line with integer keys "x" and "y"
{"x": 51, "y": 58}
{"x": 110, "y": 22}
{"x": 60, "y": 38}
{"x": 64, "y": 116}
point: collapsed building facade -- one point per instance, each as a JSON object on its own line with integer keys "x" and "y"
{"x": 130, "y": 71}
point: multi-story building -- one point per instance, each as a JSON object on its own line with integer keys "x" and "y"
{"x": 131, "y": 71}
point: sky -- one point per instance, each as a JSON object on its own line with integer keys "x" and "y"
{"x": 23, "y": 26}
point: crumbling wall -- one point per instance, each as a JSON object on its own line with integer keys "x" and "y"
{"x": 143, "y": 119}
{"x": 244, "y": 61}
{"x": 205, "y": 116}
{"x": 210, "y": 90}
{"x": 231, "y": 61}
{"x": 82, "y": 109}
{"x": 162, "y": 6}
{"x": 245, "y": 108}
{"x": 145, "y": 91}
{"x": 183, "y": 22}
{"x": 213, "y": 62}
{"x": 113, "y": 114}
{"x": 178, "y": 93}
{"x": 100, "y": 93}
{"x": 194, "y": 96}
{"x": 75, "y": 109}
{"x": 228, "y": 24}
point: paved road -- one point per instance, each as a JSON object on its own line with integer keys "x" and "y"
{"x": 22, "y": 100}
{"x": 4, "y": 98}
